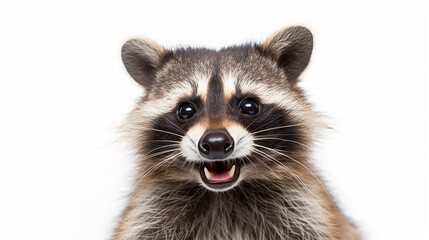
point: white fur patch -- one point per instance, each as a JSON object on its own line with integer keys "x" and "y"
{"x": 268, "y": 93}
{"x": 160, "y": 106}
{"x": 189, "y": 143}
{"x": 202, "y": 81}
{"x": 229, "y": 85}
{"x": 243, "y": 141}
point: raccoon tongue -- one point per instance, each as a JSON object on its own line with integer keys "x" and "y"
{"x": 223, "y": 177}
{"x": 219, "y": 174}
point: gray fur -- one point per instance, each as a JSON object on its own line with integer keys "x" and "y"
{"x": 277, "y": 196}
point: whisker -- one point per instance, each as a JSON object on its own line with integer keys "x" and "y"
{"x": 175, "y": 125}
{"x": 160, "y": 130}
{"x": 247, "y": 127}
{"x": 284, "y": 140}
{"x": 305, "y": 148}
{"x": 305, "y": 167}
{"x": 289, "y": 170}
{"x": 278, "y": 127}
{"x": 265, "y": 165}
{"x": 152, "y": 169}
{"x": 156, "y": 140}
{"x": 278, "y": 134}
{"x": 178, "y": 156}
{"x": 163, "y": 146}
{"x": 157, "y": 154}
{"x": 180, "y": 129}
{"x": 300, "y": 180}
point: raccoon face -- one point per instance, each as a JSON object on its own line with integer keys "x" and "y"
{"x": 218, "y": 118}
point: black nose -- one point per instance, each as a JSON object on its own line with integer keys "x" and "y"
{"x": 216, "y": 144}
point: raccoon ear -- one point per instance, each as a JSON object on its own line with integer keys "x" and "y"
{"x": 291, "y": 47}
{"x": 142, "y": 59}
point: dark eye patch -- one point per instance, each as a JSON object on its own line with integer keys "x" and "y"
{"x": 164, "y": 133}
{"x": 271, "y": 125}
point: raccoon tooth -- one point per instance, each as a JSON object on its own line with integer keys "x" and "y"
{"x": 208, "y": 174}
{"x": 232, "y": 171}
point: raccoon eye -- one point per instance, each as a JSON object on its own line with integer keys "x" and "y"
{"x": 249, "y": 106}
{"x": 186, "y": 111}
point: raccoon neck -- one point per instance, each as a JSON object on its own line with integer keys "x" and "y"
{"x": 250, "y": 211}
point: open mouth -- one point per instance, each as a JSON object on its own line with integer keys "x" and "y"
{"x": 220, "y": 174}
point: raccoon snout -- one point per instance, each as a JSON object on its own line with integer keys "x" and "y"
{"x": 216, "y": 144}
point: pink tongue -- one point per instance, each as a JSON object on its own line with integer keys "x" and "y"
{"x": 220, "y": 177}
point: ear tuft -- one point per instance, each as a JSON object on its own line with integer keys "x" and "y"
{"x": 142, "y": 59}
{"x": 291, "y": 47}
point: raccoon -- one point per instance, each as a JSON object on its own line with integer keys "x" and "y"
{"x": 223, "y": 140}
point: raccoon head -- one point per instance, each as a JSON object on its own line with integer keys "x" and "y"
{"x": 218, "y": 118}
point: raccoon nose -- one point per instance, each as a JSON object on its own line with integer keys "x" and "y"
{"x": 216, "y": 144}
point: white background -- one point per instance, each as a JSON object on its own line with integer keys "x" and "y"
{"x": 64, "y": 91}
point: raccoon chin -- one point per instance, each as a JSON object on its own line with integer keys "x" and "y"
{"x": 220, "y": 176}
